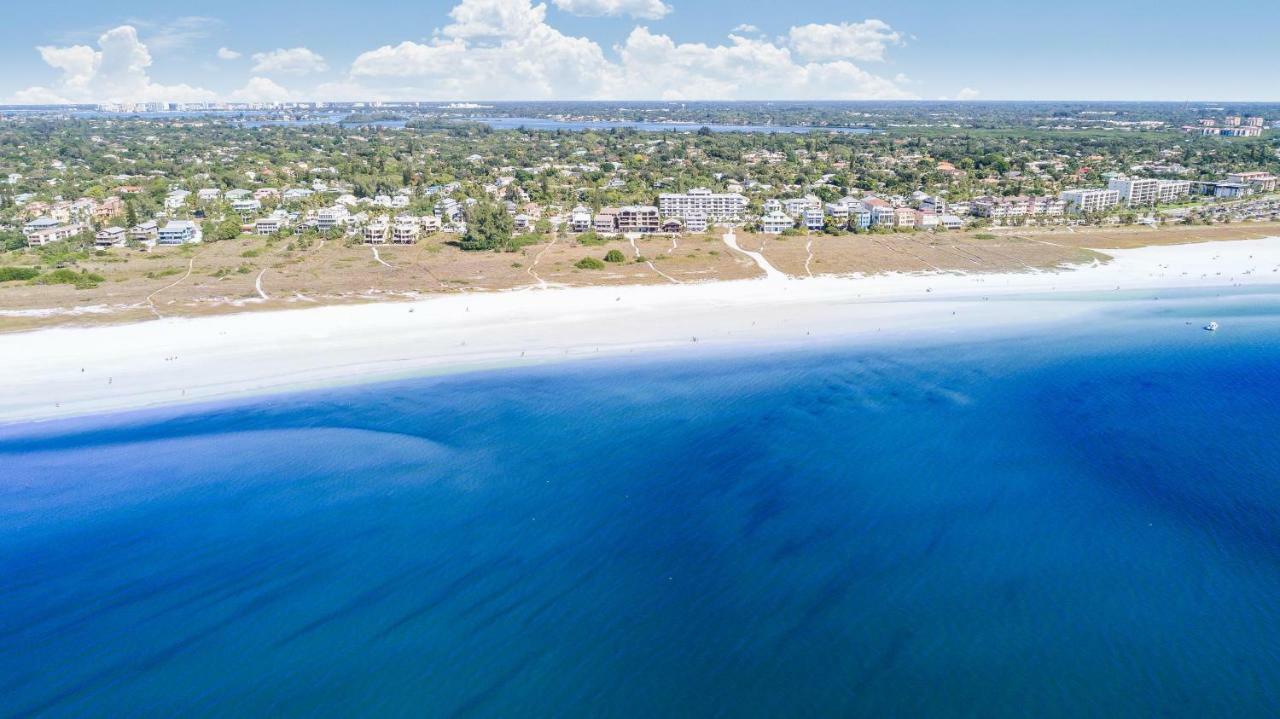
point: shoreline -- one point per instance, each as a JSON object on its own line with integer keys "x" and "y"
{"x": 76, "y": 371}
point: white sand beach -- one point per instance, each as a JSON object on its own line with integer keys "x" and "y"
{"x": 77, "y": 371}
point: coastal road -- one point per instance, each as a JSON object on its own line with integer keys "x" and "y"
{"x": 770, "y": 272}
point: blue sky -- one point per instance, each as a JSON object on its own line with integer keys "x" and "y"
{"x": 139, "y": 50}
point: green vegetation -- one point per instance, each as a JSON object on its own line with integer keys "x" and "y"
{"x": 589, "y": 263}
{"x": 13, "y": 274}
{"x": 83, "y": 280}
{"x": 614, "y": 256}
{"x": 489, "y": 227}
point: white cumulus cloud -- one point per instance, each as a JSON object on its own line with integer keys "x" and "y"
{"x": 262, "y": 89}
{"x": 747, "y": 28}
{"x": 967, "y": 93}
{"x": 115, "y": 71}
{"x": 505, "y": 49}
{"x": 865, "y": 41}
{"x": 647, "y": 9}
{"x": 226, "y": 53}
{"x": 292, "y": 61}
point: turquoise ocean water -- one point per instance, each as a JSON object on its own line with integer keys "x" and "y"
{"x": 1077, "y": 523}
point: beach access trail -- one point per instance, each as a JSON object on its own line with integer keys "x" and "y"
{"x": 151, "y": 297}
{"x": 770, "y": 272}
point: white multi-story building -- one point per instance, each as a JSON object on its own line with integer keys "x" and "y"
{"x": 448, "y": 210}
{"x": 1173, "y": 190}
{"x": 179, "y": 232}
{"x": 715, "y": 206}
{"x": 176, "y": 200}
{"x": 882, "y": 214}
{"x": 1046, "y": 206}
{"x": 1090, "y": 200}
{"x": 776, "y": 222}
{"x": 405, "y": 230}
{"x": 331, "y": 218}
{"x": 813, "y": 218}
{"x": 246, "y": 206}
{"x": 796, "y": 206}
{"x": 56, "y": 233}
{"x": 39, "y": 224}
{"x": 375, "y": 233}
{"x": 1135, "y": 191}
{"x": 268, "y": 225}
{"x": 1138, "y": 192}
{"x": 580, "y": 219}
{"x": 695, "y": 222}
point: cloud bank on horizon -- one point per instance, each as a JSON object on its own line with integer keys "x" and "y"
{"x": 507, "y": 50}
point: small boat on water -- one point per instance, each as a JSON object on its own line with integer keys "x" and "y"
{"x": 1211, "y": 327}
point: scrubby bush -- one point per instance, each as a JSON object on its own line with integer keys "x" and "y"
{"x": 13, "y": 274}
{"x": 589, "y": 263}
{"x": 614, "y": 256}
{"x": 83, "y": 280}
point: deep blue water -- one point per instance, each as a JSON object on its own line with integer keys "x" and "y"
{"x": 1071, "y": 525}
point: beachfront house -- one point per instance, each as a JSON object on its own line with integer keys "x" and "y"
{"x": 246, "y": 206}
{"x": 176, "y": 200}
{"x": 606, "y": 220}
{"x": 179, "y": 232}
{"x": 776, "y": 222}
{"x": 40, "y": 224}
{"x": 639, "y": 218}
{"x": 269, "y": 225}
{"x": 405, "y": 230}
{"x": 580, "y": 219}
{"x": 695, "y": 222}
{"x": 110, "y": 237}
{"x": 145, "y": 232}
{"x": 55, "y": 233}
{"x": 796, "y": 206}
{"x": 332, "y": 218}
{"x": 376, "y": 231}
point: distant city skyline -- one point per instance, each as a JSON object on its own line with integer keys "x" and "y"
{"x": 638, "y": 50}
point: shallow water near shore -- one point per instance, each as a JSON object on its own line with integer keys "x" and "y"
{"x": 1045, "y": 525}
